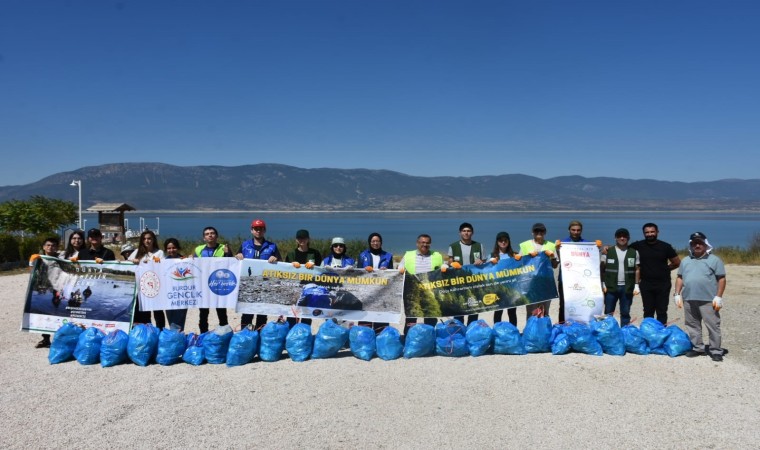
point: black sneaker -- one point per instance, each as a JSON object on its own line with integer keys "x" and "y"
{"x": 716, "y": 357}
{"x": 44, "y": 343}
{"x": 694, "y": 353}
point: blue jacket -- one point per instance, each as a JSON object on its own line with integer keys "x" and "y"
{"x": 347, "y": 261}
{"x": 267, "y": 249}
{"x": 365, "y": 259}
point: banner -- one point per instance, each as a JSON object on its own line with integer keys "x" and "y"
{"x": 581, "y": 281}
{"x": 321, "y": 292}
{"x": 188, "y": 283}
{"x": 85, "y": 292}
{"x": 475, "y": 289}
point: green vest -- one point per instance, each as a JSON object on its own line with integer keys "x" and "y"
{"x": 527, "y": 247}
{"x": 612, "y": 267}
{"x": 218, "y": 251}
{"x": 410, "y": 261}
{"x": 456, "y": 250}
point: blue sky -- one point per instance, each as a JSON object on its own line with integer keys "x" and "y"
{"x": 666, "y": 90}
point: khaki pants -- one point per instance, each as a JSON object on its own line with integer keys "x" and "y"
{"x": 695, "y": 312}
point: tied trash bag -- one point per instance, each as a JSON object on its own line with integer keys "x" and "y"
{"x": 362, "y": 341}
{"x": 655, "y": 334}
{"x": 479, "y": 337}
{"x": 582, "y": 339}
{"x": 272, "y": 340}
{"x": 677, "y": 342}
{"x": 194, "y": 353}
{"x": 420, "y": 341}
{"x": 113, "y": 348}
{"x": 329, "y": 340}
{"x": 143, "y": 344}
{"x": 299, "y": 342}
{"x": 450, "y": 339}
{"x": 64, "y": 343}
{"x": 607, "y": 332}
{"x": 389, "y": 345}
{"x": 243, "y": 346}
{"x": 560, "y": 341}
{"x": 537, "y": 334}
{"x": 634, "y": 340}
{"x": 88, "y": 346}
{"x": 216, "y": 344}
{"x": 507, "y": 339}
{"x": 171, "y": 346}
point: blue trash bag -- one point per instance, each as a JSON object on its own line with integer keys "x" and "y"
{"x": 143, "y": 344}
{"x": 537, "y": 334}
{"x": 88, "y": 346}
{"x": 450, "y": 338}
{"x": 420, "y": 341}
{"x": 216, "y": 344}
{"x": 582, "y": 339}
{"x": 655, "y": 334}
{"x": 272, "y": 340}
{"x": 243, "y": 347}
{"x": 362, "y": 341}
{"x": 171, "y": 346}
{"x": 329, "y": 340}
{"x": 479, "y": 337}
{"x": 64, "y": 343}
{"x": 315, "y": 296}
{"x": 507, "y": 339}
{"x": 299, "y": 342}
{"x": 560, "y": 340}
{"x": 607, "y": 332}
{"x": 194, "y": 353}
{"x": 677, "y": 343}
{"x": 113, "y": 348}
{"x": 634, "y": 340}
{"x": 389, "y": 346}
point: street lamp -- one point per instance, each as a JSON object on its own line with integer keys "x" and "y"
{"x": 79, "y": 183}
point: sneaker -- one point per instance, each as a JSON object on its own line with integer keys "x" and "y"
{"x": 716, "y": 357}
{"x": 44, "y": 343}
{"x": 694, "y": 353}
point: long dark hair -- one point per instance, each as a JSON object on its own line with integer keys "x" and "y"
{"x": 495, "y": 252}
{"x": 142, "y": 250}
{"x": 70, "y": 250}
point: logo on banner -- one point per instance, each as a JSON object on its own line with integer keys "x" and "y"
{"x": 222, "y": 282}
{"x": 150, "y": 284}
{"x": 183, "y": 272}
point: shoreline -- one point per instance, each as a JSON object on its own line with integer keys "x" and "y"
{"x": 438, "y": 211}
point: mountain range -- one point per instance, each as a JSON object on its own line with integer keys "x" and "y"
{"x": 277, "y": 187}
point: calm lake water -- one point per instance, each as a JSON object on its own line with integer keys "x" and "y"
{"x": 400, "y": 230}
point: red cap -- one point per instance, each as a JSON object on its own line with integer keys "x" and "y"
{"x": 258, "y": 223}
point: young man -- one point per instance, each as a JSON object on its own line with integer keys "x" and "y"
{"x": 575, "y": 228}
{"x": 533, "y": 247}
{"x": 211, "y": 248}
{"x": 466, "y": 251}
{"x": 621, "y": 276}
{"x": 257, "y": 248}
{"x": 303, "y": 254}
{"x": 657, "y": 259}
{"x": 49, "y": 248}
{"x": 699, "y": 291}
{"x": 421, "y": 261}
{"x": 95, "y": 248}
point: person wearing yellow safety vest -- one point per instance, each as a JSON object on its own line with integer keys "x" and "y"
{"x": 211, "y": 248}
{"x": 420, "y": 261}
{"x": 532, "y": 247}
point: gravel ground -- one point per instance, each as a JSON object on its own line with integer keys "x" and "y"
{"x": 532, "y": 401}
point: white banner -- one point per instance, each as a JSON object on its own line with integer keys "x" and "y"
{"x": 581, "y": 281}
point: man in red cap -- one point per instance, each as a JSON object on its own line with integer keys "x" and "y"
{"x": 257, "y": 248}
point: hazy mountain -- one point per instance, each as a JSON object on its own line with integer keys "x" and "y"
{"x": 155, "y": 186}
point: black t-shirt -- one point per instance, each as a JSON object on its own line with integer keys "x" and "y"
{"x": 303, "y": 257}
{"x": 654, "y": 260}
{"x": 88, "y": 254}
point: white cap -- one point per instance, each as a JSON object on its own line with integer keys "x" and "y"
{"x": 338, "y": 240}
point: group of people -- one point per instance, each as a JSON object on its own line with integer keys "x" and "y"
{"x": 628, "y": 269}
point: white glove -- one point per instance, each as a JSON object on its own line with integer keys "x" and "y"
{"x": 717, "y": 303}
{"x": 636, "y": 289}
{"x": 444, "y": 267}
{"x": 678, "y": 301}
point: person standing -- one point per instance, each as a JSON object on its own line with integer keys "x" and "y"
{"x": 303, "y": 254}
{"x": 375, "y": 258}
{"x": 337, "y": 258}
{"x": 621, "y": 276}
{"x": 174, "y": 316}
{"x": 211, "y": 248}
{"x": 533, "y": 247}
{"x": 75, "y": 245}
{"x": 466, "y": 251}
{"x": 96, "y": 250}
{"x": 502, "y": 249}
{"x": 417, "y": 261}
{"x": 49, "y": 248}
{"x": 699, "y": 291}
{"x": 258, "y": 247}
{"x": 145, "y": 252}
{"x": 657, "y": 259}
{"x": 575, "y": 228}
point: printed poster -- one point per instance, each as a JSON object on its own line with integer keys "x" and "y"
{"x": 581, "y": 281}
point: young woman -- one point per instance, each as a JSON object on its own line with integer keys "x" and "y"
{"x": 76, "y": 243}
{"x": 146, "y": 250}
{"x": 502, "y": 249}
{"x": 174, "y": 316}
{"x": 337, "y": 257}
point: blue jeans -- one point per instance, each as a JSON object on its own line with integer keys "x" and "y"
{"x": 612, "y": 297}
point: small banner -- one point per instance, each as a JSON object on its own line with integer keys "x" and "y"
{"x": 85, "y": 292}
{"x": 475, "y": 289}
{"x": 188, "y": 283}
{"x": 581, "y": 281}
{"x": 321, "y": 292}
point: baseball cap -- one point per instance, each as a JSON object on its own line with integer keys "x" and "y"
{"x": 539, "y": 227}
{"x": 502, "y": 235}
{"x": 697, "y": 236}
{"x": 258, "y": 223}
{"x": 622, "y": 232}
{"x": 94, "y": 232}
{"x": 127, "y": 248}
{"x": 302, "y": 234}
{"x": 338, "y": 240}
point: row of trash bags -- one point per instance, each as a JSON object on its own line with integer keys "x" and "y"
{"x": 146, "y": 344}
